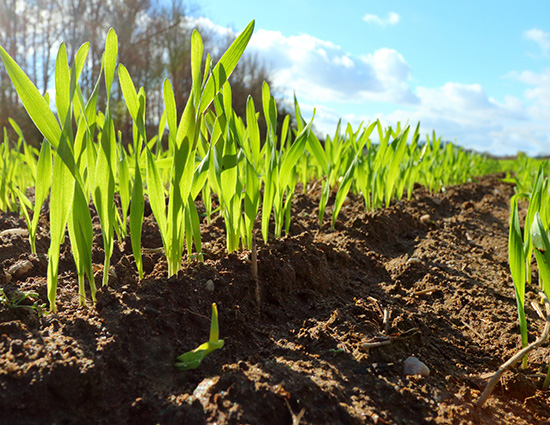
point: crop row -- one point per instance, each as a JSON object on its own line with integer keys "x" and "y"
{"x": 210, "y": 151}
{"x": 535, "y": 189}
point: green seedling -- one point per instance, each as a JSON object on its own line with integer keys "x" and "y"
{"x": 541, "y": 243}
{"x": 179, "y": 223}
{"x": 516, "y": 256}
{"x": 17, "y": 301}
{"x": 192, "y": 359}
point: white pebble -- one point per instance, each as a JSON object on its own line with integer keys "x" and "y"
{"x": 413, "y": 366}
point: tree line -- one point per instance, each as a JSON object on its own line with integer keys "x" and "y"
{"x": 154, "y": 44}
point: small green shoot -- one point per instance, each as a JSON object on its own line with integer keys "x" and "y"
{"x": 17, "y": 300}
{"x": 517, "y": 268}
{"x": 192, "y": 359}
{"x": 541, "y": 244}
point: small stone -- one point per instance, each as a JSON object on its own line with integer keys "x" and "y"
{"x": 414, "y": 260}
{"x": 413, "y": 366}
{"x": 209, "y": 285}
{"x": 425, "y": 218}
{"x": 20, "y": 268}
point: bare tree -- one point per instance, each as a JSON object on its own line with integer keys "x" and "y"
{"x": 154, "y": 44}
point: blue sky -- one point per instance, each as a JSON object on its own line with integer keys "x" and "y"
{"x": 477, "y": 73}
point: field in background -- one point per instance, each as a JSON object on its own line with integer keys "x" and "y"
{"x": 330, "y": 262}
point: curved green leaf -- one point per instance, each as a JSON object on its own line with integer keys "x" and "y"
{"x": 36, "y": 105}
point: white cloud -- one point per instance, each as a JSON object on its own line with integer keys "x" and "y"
{"x": 460, "y": 100}
{"x": 393, "y": 72}
{"x": 540, "y": 37}
{"x": 321, "y": 71}
{"x": 335, "y": 82}
{"x": 205, "y": 23}
{"x": 462, "y": 113}
{"x": 392, "y": 19}
{"x": 538, "y": 94}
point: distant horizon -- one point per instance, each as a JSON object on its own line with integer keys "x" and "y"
{"x": 476, "y": 73}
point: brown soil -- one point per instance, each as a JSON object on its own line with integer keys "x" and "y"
{"x": 443, "y": 285}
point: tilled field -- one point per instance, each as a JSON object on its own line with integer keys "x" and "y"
{"x": 437, "y": 288}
